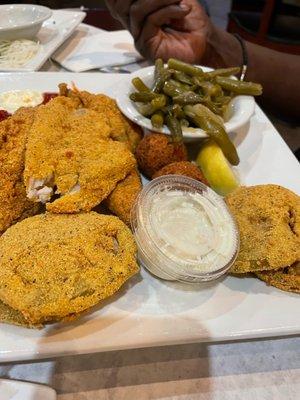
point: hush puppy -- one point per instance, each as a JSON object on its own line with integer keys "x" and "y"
{"x": 185, "y": 168}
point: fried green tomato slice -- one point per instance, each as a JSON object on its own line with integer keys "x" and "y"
{"x": 54, "y": 266}
{"x": 287, "y": 279}
{"x": 268, "y": 218}
{"x": 13, "y": 317}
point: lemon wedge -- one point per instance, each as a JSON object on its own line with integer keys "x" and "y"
{"x": 216, "y": 169}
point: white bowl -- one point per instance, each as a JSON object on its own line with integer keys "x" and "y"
{"x": 22, "y": 21}
{"x": 242, "y": 107}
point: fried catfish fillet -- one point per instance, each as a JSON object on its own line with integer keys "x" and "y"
{"x": 69, "y": 154}
{"x": 54, "y": 266}
{"x": 287, "y": 279}
{"x": 14, "y": 204}
{"x": 122, "y": 129}
{"x": 268, "y": 217}
{"x": 122, "y": 198}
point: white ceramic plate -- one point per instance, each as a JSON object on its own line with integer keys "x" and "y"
{"x": 53, "y": 33}
{"x": 16, "y": 390}
{"x": 242, "y": 107}
{"x": 150, "y": 312}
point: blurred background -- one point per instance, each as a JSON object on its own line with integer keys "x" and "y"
{"x": 270, "y": 23}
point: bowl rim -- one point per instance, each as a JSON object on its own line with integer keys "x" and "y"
{"x": 47, "y": 14}
{"x": 126, "y": 106}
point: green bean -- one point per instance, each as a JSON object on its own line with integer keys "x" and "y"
{"x": 216, "y": 131}
{"x": 203, "y": 111}
{"x": 180, "y": 85}
{"x": 196, "y": 80}
{"x": 159, "y": 102}
{"x": 140, "y": 85}
{"x": 146, "y": 109}
{"x": 210, "y": 89}
{"x": 157, "y": 120}
{"x": 173, "y": 109}
{"x": 175, "y": 128}
{"x": 161, "y": 75}
{"x": 188, "y": 98}
{"x": 172, "y": 90}
{"x": 214, "y": 108}
{"x": 184, "y": 123}
{"x": 142, "y": 97}
{"x": 177, "y": 111}
{"x": 239, "y": 87}
{"x": 184, "y": 67}
{"x": 222, "y": 72}
{"x": 227, "y": 112}
{"x": 222, "y": 100}
{"x": 159, "y": 66}
{"x": 182, "y": 77}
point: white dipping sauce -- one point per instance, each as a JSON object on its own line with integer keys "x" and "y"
{"x": 184, "y": 230}
{"x": 189, "y": 228}
{"x": 13, "y": 100}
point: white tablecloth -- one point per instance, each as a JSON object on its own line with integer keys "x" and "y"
{"x": 256, "y": 370}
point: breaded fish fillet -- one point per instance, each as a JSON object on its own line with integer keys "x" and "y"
{"x": 14, "y": 204}
{"x": 122, "y": 129}
{"x": 121, "y": 200}
{"x": 69, "y": 154}
{"x": 53, "y": 266}
{"x": 268, "y": 218}
{"x": 287, "y": 279}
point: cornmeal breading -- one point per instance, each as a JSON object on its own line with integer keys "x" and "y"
{"x": 122, "y": 129}
{"x": 121, "y": 200}
{"x": 268, "y": 218}
{"x": 287, "y": 279}
{"x": 53, "y": 266}
{"x": 14, "y": 205}
{"x": 69, "y": 153}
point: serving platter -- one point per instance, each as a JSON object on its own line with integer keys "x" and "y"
{"x": 149, "y": 312}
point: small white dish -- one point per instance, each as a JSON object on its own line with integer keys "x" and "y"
{"x": 17, "y": 390}
{"x": 243, "y": 108}
{"x": 22, "y": 21}
{"x": 55, "y": 31}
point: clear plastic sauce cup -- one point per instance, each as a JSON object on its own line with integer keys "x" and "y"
{"x": 184, "y": 230}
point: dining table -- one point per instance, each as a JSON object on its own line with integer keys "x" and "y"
{"x": 253, "y": 369}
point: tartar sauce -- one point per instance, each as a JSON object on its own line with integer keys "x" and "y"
{"x": 184, "y": 230}
{"x": 189, "y": 228}
{"x": 13, "y": 100}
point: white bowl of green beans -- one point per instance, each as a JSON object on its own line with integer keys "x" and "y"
{"x": 182, "y": 99}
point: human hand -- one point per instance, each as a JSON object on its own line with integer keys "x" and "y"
{"x": 165, "y": 28}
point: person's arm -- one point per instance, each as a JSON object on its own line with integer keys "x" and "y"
{"x": 182, "y": 29}
{"x": 279, "y": 73}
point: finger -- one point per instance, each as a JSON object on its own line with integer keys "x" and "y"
{"x": 141, "y": 9}
{"x": 155, "y": 21}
